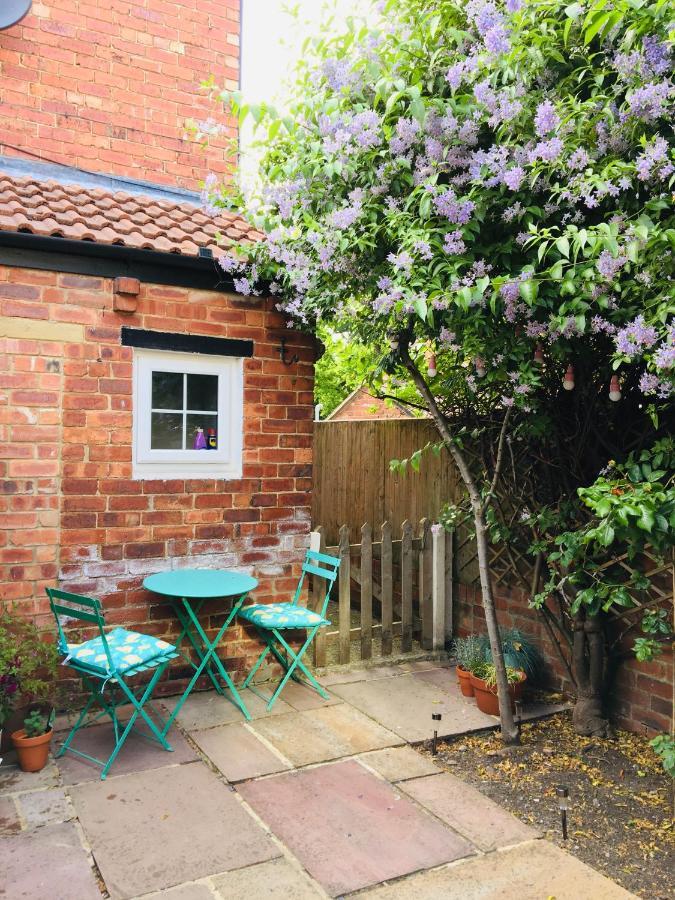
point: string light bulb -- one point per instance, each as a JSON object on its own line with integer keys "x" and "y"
{"x": 568, "y": 380}
{"x": 393, "y": 339}
{"x": 431, "y": 364}
{"x": 614, "y": 389}
{"x": 539, "y": 356}
{"x": 480, "y": 366}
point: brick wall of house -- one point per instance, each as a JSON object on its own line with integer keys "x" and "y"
{"x": 107, "y": 85}
{"x": 69, "y": 511}
{"x": 642, "y": 699}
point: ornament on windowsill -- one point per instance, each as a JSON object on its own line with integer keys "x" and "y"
{"x": 431, "y": 364}
{"x": 568, "y": 380}
{"x": 200, "y": 439}
{"x": 614, "y": 389}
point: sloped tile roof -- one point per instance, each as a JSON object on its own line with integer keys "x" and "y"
{"x": 76, "y": 212}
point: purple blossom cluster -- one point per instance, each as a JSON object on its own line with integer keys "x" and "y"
{"x": 664, "y": 357}
{"x": 654, "y": 162}
{"x": 653, "y": 385}
{"x": 457, "y": 210}
{"x": 454, "y": 243}
{"x": 650, "y": 101}
{"x": 407, "y": 133}
{"x": 347, "y": 216}
{"x": 347, "y": 133}
{"x": 609, "y": 265}
{"x": 284, "y": 194}
{"x": 513, "y": 305}
{"x": 207, "y": 197}
{"x": 599, "y": 325}
{"x": 339, "y": 74}
{"x": 546, "y": 119}
{"x": 490, "y": 24}
{"x": 635, "y": 337}
{"x": 402, "y": 261}
{"x": 503, "y": 106}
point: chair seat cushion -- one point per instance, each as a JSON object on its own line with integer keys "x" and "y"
{"x": 281, "y": 615}
{"x": 128, "y": 649}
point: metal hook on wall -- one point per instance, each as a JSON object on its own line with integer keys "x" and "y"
{"x": 282, "y": 354}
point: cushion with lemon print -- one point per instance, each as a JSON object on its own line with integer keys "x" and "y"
{"x": 281, "y": 615}
{"x": 127, "y": 649}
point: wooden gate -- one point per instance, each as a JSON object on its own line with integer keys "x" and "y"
{"x": 394, "y": 594}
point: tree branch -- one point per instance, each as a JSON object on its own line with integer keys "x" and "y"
{"x": 500, "y": 460}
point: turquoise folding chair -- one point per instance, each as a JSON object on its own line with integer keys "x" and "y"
{"x": 270, "y": 619}
{"x": 107, "y": 662}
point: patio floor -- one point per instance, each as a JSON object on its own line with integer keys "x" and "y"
{"x": 317, "y": 799}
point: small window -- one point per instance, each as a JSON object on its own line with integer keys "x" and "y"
{"x": 188, "y": 415}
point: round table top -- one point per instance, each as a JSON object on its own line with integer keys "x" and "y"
{"x": 200, "y": 583}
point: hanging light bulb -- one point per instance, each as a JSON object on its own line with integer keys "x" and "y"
{"x": 431, "y": 363}
{"x": 614, "y": 389}
{"x": 568, "y": 380}
{"x": 393, "y": 339}
{"x": 480, "y": 366}
{"x": 539, "y": 356}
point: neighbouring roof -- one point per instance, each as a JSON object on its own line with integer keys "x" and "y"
{"x": 361, "y": 404}
{"x": 139, "y": 216}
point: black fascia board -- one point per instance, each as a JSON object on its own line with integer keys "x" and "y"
{"x": 55, "y": 254}
{"x": 185, "y": 343}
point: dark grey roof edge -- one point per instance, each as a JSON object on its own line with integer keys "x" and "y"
{"x": 42, "y": 171}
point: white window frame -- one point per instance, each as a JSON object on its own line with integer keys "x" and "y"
{"x": 226, "y": 460}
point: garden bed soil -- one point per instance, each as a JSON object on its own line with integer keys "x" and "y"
{"x": 620, "y": 813}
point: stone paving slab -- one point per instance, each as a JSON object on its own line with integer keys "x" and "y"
{"x": 465, "y": 809}
{"x": 206, "y": 709}
{"x": 162, "y": 827}
{"x": 10, "y": 823}
{"x": 45, "y": 807}
{"x": 372, "y": 673}
{"x": 298, "y": 696}
{"x": 349, "y": 828}
{"x": 319, "y": 735}
{"x": 404, "y": 705}
{"x": 536, "y": 870}
{"x": 276, "y": 879}
{"x": 13, "y": 780}
{"x": 399, "y": 763}
{"x": 191, "y": 891}
{"x": 138, "y": 754}
{"x": 48, "y": 862}
{"x": 238, "y": 752}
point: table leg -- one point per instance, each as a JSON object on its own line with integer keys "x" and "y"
{"x": 209, "y": 655}
{"x": 187, "y": 632}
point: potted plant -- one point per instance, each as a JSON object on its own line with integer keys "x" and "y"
{"x": 484, "y": 683}
{"x": 519, "y": 653}
{"x": 28, "y": 666}
{"x": 32, "y": 741}
{"x": 468, "y": 652}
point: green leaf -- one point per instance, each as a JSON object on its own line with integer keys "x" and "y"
{"x": 563, "y": 246}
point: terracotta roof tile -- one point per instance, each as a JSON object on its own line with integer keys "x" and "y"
{"x": 72, "y": 211}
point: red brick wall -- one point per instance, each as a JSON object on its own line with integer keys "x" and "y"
{"x": 363, "y": 406}
{"x": 642, "y": 698}
{"x": 107, "y": 85}
{"x": 69, "y": 511}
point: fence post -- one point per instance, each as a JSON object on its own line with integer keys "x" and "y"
{"x": 366, "y": 591}
{"x": 317, "y": 542}
{"x": 438, "y": 587}
{"x": 406, "y": 587}
{"x": 387, "y": 592}
{"x": 425, "y": 582}
{"x": 449, "y": 584}
{"x": 344, "y": 595}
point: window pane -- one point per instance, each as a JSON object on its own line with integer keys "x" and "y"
{"x": 167, "y": 431}
{"x": 167, "y": 390}
{"x": 205, "y": 422}
{"x": 202, "y": 392}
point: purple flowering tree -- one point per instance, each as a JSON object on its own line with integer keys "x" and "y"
{"x": 489, "y": 182}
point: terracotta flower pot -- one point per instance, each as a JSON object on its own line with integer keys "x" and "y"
{"x": 32, "y": 752}
{"x": 464, "y": 681}
{"x": 486, "y": 697}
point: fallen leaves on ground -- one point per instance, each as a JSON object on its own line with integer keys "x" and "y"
{"x": 620, "y": 803}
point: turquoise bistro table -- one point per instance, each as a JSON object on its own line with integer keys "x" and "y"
{"x": 188, "y": 590}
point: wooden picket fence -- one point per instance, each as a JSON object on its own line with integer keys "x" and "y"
{"x": 394, "y": 595}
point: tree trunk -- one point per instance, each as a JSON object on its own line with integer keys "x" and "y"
{"x": 509, "y": 729}
{"x": 588, "y": 658}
